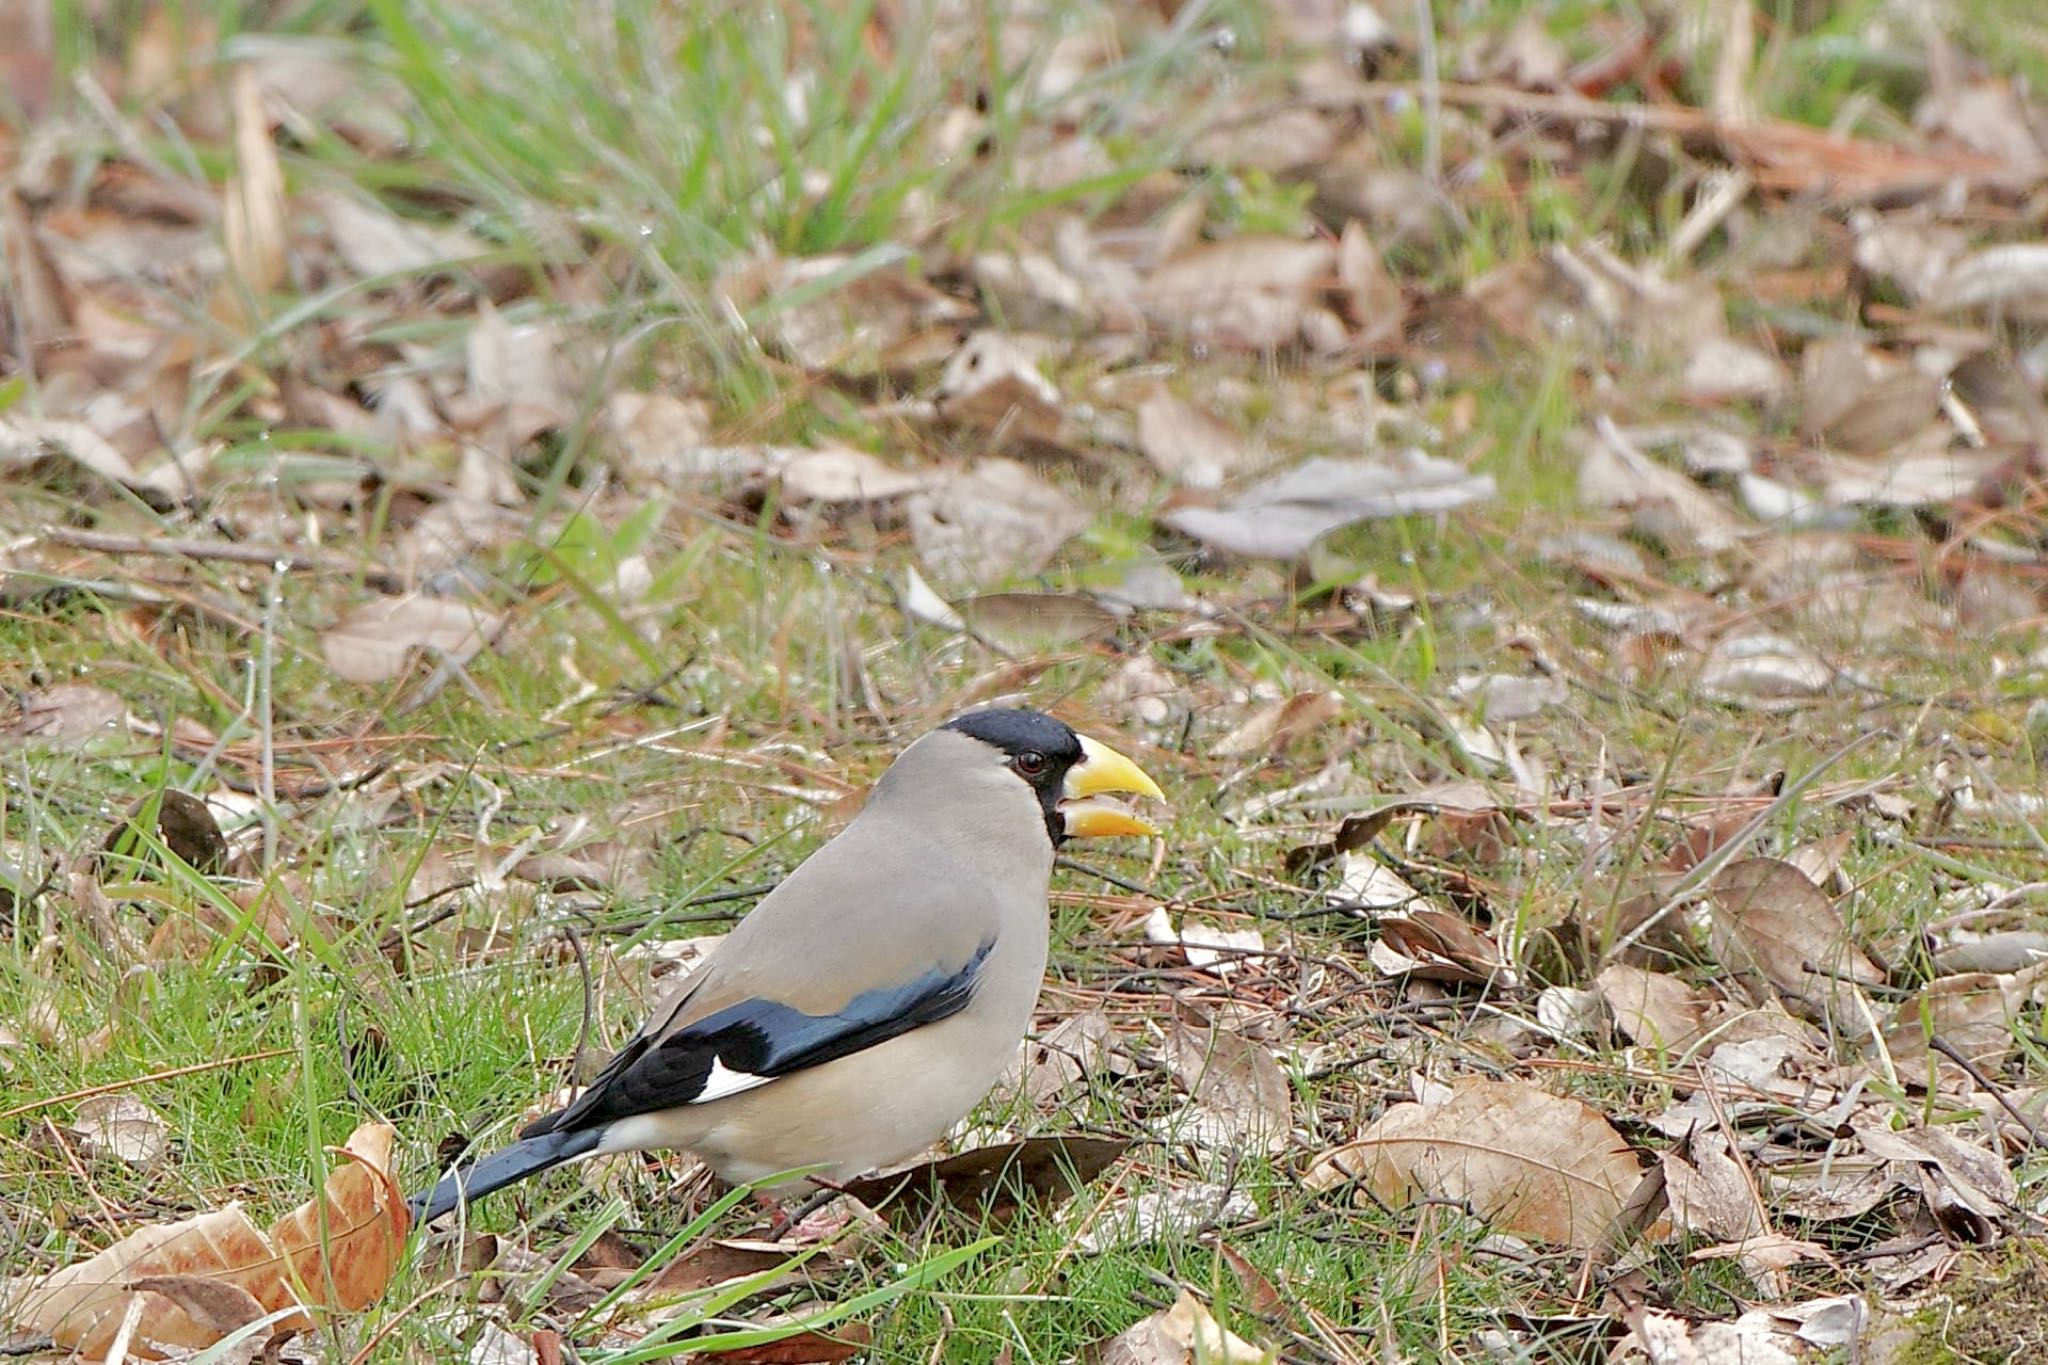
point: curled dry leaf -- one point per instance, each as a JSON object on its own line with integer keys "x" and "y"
{"x": 1969, "y": 1189}
{"x": 1772, "y": 925}
{"x": 991, "y": 1181}
{"x": 843, "y": 314}
{"x": 1056, "y": 1063}
{"x": 253, "y": 216}
{"x": 1204, "y": 945}
{"x": 841, "y": 474}
{"x": 1370, "y": 294}
{"x": 992, "y": 384}
{"x": 1281, "y": 517}
{"x": 372, "y": 643}
{"x": 1439, "y": 945}
{"x": 1535, "y": 1164}
{"x": 121, "y": 1128}
{"x": 1764, "y": 672}
{"x": 1238, "y": 1097}
{"x": 292, "y": 1265}
{"x": 1185, "y": 1334}
{"x": 1663, "y": 504}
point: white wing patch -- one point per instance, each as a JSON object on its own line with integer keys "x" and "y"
{"x": 724, "y": 1081}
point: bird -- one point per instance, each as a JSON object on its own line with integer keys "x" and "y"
{"x": 875, "y": 995}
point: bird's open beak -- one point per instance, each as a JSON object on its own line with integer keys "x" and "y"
{"x": 1102, "y": 770}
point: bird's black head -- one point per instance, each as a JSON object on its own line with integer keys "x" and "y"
{"x": 1037, "y": 748}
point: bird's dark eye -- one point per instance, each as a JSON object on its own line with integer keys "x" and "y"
{"x": 1030, "y": 763}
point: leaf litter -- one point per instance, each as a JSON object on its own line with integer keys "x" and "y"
{"x": 1139, "y": 447}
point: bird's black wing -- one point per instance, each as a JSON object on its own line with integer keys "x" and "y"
{"x": 755, "y": 1041}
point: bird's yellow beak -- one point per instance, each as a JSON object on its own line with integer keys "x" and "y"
{"x": 1101, "y": 771}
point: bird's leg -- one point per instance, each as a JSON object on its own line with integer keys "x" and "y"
{"x": 787, "y": 1218}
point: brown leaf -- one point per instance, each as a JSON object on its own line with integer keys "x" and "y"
{"x": 1028, "y": 620}
{"x": 1775, "y": 927}
{"x": 1533, "y": 1163}
{"x": 184, "y": 823}
{"x": 1185, "y": 443}
{"x": 996, "y": 1180}
{"x": 1238, "y": 1097}
{"x": 1974, "y": 1014}
{"x": 373, "y": 642}
{"x": 843, "y": 1341}
{"x": 1276, "y": 727}
{"x": 1251, "y": 293}
{"x": 993, "y": 385}
{"x": 1438, "y": 945}
{"x": 1652, "y": 1009}
{"x": 70, "y": 716}
{"x": 1969, "y": 1189}
{"x": 253, "y": 216}
{"x": 82, "y": 1305}
{"x": 1371, "y": 296}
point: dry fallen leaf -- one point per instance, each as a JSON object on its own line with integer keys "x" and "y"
{"x": 1185, "y": 1334}
{"x": 1238, "y": 1097}
{"x": 360, "y": 1212}
{"x": 1250, "y": 292}
{"x": 1185, "y": 443}
{"x": 253, "y": 216}
{"x": 1771, "y": 925}
{"x": 1654, "y": 1010}
{"x": 121, "y": 1128}
{"x": 1274, "y": 728}
{"x": 992, "y": 521}
{"x": 70, "y": 715}
{"x": 373, "y": 642}
{"x": 1280, "y": 517}
{"x": 1973, "y": 1013}
{"x": 1532, "y": 1163}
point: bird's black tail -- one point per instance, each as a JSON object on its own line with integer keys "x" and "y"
{"x": 506, "y": 1166}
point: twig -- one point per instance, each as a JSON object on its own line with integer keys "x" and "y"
{"x": 129, "y": 1084}
{"x": 1948, "y": 1050}
{"x": 233, "y": 552}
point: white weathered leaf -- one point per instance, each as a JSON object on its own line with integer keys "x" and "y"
{"x": 840, "y": 475}
{"x": 992, "y": 521}
{"x": 1185, "y": 1334}
{"x": 121, "y": 1128}
{"x": 1170, "y": 1214}
{"x": 1280, "y": 517}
